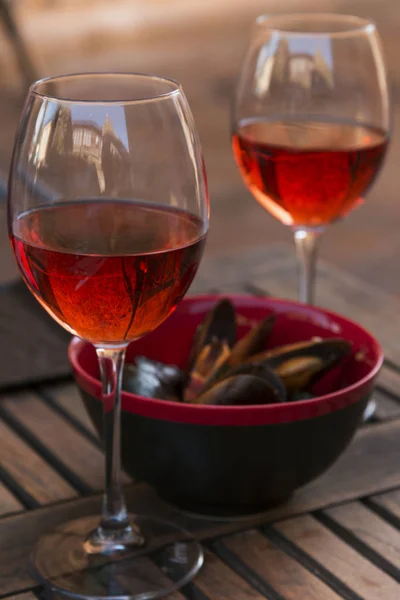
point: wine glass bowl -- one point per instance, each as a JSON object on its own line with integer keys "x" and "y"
{"x": 311, "y": 122}
{"x": 108, "y": 214}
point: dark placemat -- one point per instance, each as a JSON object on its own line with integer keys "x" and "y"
{"x": 33, "y": 347}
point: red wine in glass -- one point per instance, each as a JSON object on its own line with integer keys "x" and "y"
{"x": 306, "y": 172}
{"x": 108, "y": 271}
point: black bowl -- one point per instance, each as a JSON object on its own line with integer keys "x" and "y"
{"x": 228, "y": 461}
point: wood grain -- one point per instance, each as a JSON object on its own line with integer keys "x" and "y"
{"x": 273, "y": 270}
{"x": 30, "y": 471}
{"x": 32, "y": 346}
{"x": 389, "y": 380}
{"x": 386, "y": 407}
{"x": 68, "y": 398}
{"x": 390, "y": 501}
{"x": 344, "y": 294}
{"x": 25, "y": 596}
{"x": 369, "y": 466}
{"x": 283, "y": 573}
{"x": 359, "y": 574}
{"x": 371, "y": 529}
{"x": 219, "y": 582}
{"x": 80, "y": 456}
{"x": 8, "y": 502}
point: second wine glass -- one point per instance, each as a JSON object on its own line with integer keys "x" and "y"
{"x": 311, "y": 122}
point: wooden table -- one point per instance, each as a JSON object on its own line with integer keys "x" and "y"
{"x": 337, "y": 538}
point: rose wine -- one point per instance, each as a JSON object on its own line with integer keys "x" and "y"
{"x": 308, "y": 173}
{"x": 108, "y": 271}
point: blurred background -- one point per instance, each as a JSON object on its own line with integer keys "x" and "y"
{"x": 200, "y": 43}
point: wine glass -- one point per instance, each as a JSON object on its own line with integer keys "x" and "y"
{"x": 311, "y": 122}
{"x": 108, "y": 214}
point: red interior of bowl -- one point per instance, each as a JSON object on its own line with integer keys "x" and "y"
{"x": 171, "y": 343}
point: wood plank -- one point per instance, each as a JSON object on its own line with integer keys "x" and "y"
{"x": 30, "y": 471}
{"x": 342, "y": 293}
{"x": 8, "y": 503}
{"x": 386, "y": 407}
{"x": 369, "y": 528}
{"x": 352, "y": 477}
{"x": 74, "y": 450}
{"x": 389, "y": 380}
{"x": 283, "y": 573}
{"x": 273, "y": 269}
{"x": 389, "y": 501}
{"x": 32, "y": 346}
{"x": 148, "y": 570}
{"x": 25, "y": 596}
{"x": 68, "y": 398}
{"x": 358, "y": 573}
{"x": 219, "y": 582}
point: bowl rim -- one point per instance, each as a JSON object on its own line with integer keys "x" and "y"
{"x": 238, "y": 415}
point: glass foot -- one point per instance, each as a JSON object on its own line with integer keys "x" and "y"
{"x": 369, "y": 411}
{"x": 168, "y": 560}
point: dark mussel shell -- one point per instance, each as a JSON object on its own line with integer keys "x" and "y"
{"x": 219, "y": 324}
{"x": 239, "y": 390}
{"x": 263, "y": 371}
{"x": 300, "y": 365}
{"x": 153, "y": 379}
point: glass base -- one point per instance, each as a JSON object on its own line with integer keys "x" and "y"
{"x": 168, "y": 560}
{"x": 369, "y": 411}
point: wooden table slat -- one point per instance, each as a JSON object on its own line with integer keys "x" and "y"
{"x": 73, "y": 449}
{"x": 25, "y": 596}
{"x": 358, "y": 573}
{"x": 390, "y": 501}
{"x": 386, "y": 407}
{"x": 68, "y": 398}
{"x": 286, "y": 575}
{"x": 149, "y": 570}
{"x": 336, "y": 290}
{"x": 376, "y": 446}
{"x": 332, "y": 293}
{"x": 30, "y": 471}
{"x": 389, "y": 379}
{"x": 8, "y": 502}
{"x": 219, "y": 582}
{"x": 370, "y": 529}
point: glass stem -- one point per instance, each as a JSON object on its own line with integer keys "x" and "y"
{"x": 306, "y": 246}
{"x": 115, "y": 532}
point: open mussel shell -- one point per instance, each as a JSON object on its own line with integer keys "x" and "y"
{"x": 253, "y": 342}
{"x": 153, "y": 379}
{"x": 219, "y": 324}
{"x": 300, "y": 365}
{"x": 239, "y": 390}
{"x": 206, "y": 363}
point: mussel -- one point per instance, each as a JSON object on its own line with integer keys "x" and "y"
{"x": 206, "y": 363}
{"x": 300, "y": 365}
{"x": 262, "y": 371}
{"x": 254, "y": 341}
{"x": 153, "y": 379}
{"x": 219, "y": 324}
{"x": 239, "y": 390}
{"x": 222, "y": 372}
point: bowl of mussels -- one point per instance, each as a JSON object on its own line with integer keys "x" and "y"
{"x": 235, "y": 402}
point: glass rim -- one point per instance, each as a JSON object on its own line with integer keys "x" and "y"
{"x": 176, "y": 88}
{"x": 275, "y": 22}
